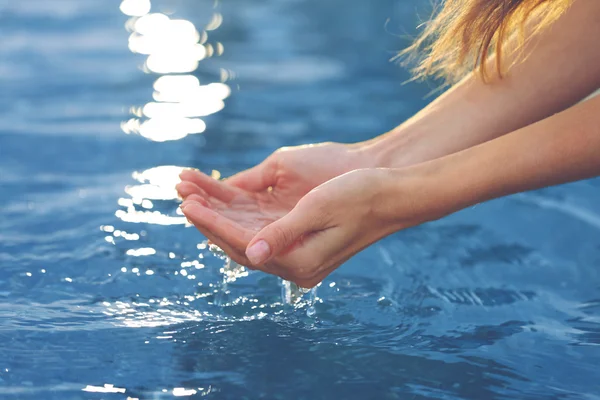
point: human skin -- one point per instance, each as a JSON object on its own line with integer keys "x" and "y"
{"x": 344, "y": 215}
{"x": 561, "y": 69}
{"x": 311, "y": 222}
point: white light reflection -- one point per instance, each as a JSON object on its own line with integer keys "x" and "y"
{"x": 155, "y": 313}
{"x": 135, "y": 8}
{"x": 173, "y": 50}
{"x": 165, "y": 176}
{"x": 147, "y": 217}
{"x": 145, "y": 251}
{"x": 170, "y": 312}
{"x": 164, "y": 128}
{"x": 232, "y": 271}
{"x": 293, "y": 294}
{"x": 155, "y": 184}
{"x": 180, "y": 392}
{"x": 173, "y": 46}
{"x": 182, "y": 111}
{"x": 215, "y": 22}
{"x": 103, "y": 389}
{"x": 187, "y": 88}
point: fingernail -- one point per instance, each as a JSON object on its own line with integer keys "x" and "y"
{"x": 183, "y": 171}
{"x": 258, "y": 252}
{"x": 186, "y": 203}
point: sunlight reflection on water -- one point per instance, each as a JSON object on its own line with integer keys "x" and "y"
{"x": 499, "y": 301}
{"x": 174, "y": 48}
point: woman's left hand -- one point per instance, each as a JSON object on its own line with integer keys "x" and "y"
{"x": 328, "y": 226}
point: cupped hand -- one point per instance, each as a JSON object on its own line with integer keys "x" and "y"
{"x": 263, "y": 194}
{"x": 234, "y": 208}
{"x": 325, "y": 228}
{"x": 291, "y": 172}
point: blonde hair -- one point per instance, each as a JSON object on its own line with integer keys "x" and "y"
{"x": 462, "y": 35}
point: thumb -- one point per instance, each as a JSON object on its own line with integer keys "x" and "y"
{"x": 282, "y": 234}
{"x": 255, "y": 179}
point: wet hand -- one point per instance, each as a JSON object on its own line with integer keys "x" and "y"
{"x": 325, "y": 228}
{"x": 291, "y": 172}
{"x": 263, "y": 194}
{"x": 251, "y": 211}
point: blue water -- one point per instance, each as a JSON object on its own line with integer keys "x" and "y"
{"x": 106, "y": 294}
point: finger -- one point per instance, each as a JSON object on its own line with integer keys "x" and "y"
{"x": 202, "y": 198}
{"x": 186, "y": 189}
{"x": 235, "y": 255}
{"x": 212, "y": 186}
{"x": 197, "y": 198}
{"x": 207, "y": 219}
{"x": 280, "y": 235}
{"x": 255, "y": 179}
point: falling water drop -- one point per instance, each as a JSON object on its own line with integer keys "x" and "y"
{"x": 311, "y": 310}
{"x": 231, "y": 272}
{"x": 293, "y": 294}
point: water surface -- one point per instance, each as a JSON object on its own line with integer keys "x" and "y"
{"x": 106, "y": 294}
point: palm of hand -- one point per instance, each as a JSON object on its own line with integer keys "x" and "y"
{"x": 252, "y": 211}
{"x": 230, "y": 218}
{"x": 292, "y": 173}
{"x": 246, "y": 203}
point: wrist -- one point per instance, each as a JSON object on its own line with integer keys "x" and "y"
{"x": 397, "y": 148}
{"x": 417, "y": 194}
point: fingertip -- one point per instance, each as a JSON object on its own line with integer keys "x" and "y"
{"x": 258, "y": 252}
{"x": 183, "y": 189}
{"x": 186, "y": 189}
{"x": 209, "y": 185}
{"x": 187, "y": 173}
{"x": 184, "y": 170}
{"x": 189, "y": 204}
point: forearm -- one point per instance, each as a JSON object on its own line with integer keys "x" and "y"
{"x": 559, "y": 149}
{"x": 562, "y": 67}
